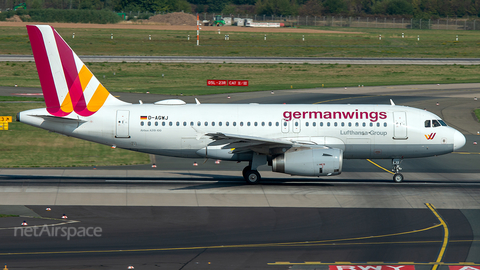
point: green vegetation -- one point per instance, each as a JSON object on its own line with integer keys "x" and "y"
{"x": 63, "y": 15}
{"x": 191, "y": 79}
{"x": 22, "y": 99}
{"x": 419, "y": 8}
{"x": 364, "y": 43}
{"x": 3, "y": 215}
{"x": 477, "y": 114}
{"x": 26, "y": 146}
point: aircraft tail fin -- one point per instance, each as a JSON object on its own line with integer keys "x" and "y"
{"x": 67, "y": 84}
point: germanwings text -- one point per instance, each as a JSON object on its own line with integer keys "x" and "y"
{"x": 372, "y": 116}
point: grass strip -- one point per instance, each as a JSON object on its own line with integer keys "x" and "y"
{"x": 4, "y": 216}
{"x": 477, "y": 114}
{"x": 26, "y": 146}
{"x": 191, "y": 79}
{"x": 364, "y": 42}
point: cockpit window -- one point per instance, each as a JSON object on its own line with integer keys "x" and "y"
{"x": 442, "y": 123}
{"x": 427, "y": 123}
{"x": 435, "y": 123}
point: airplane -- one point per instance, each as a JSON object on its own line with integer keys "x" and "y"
{"x": 295, "y": 139}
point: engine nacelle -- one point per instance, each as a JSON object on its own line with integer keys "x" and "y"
{"x": 309, "y": 162}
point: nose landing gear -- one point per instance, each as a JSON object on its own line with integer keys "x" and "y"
{"x": 397, "y": 177}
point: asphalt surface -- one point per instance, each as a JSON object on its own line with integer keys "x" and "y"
{"x": 262, "y": 60}
{"x": 238, "y": 238}
{"x": 203, "y": 217}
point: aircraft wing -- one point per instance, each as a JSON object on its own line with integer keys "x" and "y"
{"x": 245, "y": 143}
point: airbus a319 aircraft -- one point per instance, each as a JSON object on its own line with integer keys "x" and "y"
{"x": 305, "y": 140}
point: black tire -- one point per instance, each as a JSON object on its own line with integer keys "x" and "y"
{"x": 245, "y": 170}
{"x": 252, "y": 177}
{"x": 398, "y": 178}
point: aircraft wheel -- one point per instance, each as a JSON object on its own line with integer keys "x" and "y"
{"x": 398, "y": 177}
{"x": 252, "y": 177}
{"x": 245, "y": 170}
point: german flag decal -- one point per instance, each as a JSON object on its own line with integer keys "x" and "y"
{"x": 143, "y": 118}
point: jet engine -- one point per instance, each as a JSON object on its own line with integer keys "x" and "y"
{"x": 309, "y": 162}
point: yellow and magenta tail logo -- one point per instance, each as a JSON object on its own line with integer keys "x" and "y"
{"x": 430, "y": 136}
{"x": 67, "y": 84}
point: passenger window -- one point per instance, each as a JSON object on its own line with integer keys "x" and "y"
{"x": 356, "y": 124}
{"x": 276, "y": 124}
{"x": 227, "y": 123}
{"x": 178, "y": 124}
{"x": 285, "y": 124}
{"x": 435, "y": 123}
{"x": 349, "y": 124}
{"x": 234, "y": 124}
{"x": 343, "y": 124}
{"x": 363, "y": 124}
{"x": 184, "y": 124}
{"x": 198, "y": 123}
{"x": 378, "y": 124}
{"x": 314, "y": 124}
{"x": 385, "y": 124}
{"x": 321, "y": 124}
{"x": 241, "y": 124}
{"x": 255, "y": 124}
{"x": 263, "y": 124}
{"x": 248, "y": 123}
{"x": 156, "y": 124}
{"x": 141, "y": 123}
{"x": 269, "y": 124}
{"x": 371, "y": 124}
{"x": 427, "y": 123}
{"x": 306, "y": 124}
{"x": 296, "y": 124}
{"x": 163, "y": 123}
{"x": 213, "y": 124}
{"x": 149, "y": 123}
{"x": 170, "y": 123}
{"x": 335, "y": 124}
{"x": 220, "y": 123}
{"x": 206, "y": 123}
{"x": 191, "y": 123}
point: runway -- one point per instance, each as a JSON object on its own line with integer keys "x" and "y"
{"x": 261, "y": 60}
{"x": 178, "y": 216}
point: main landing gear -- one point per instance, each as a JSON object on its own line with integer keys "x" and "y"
{"x": 252, "y": 177}
{"x": 397, "y": 177}
{"x": 250, "y": 173}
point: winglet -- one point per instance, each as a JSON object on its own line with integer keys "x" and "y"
{"x": 391, "y": 102}
{"x": 198, "y": 102}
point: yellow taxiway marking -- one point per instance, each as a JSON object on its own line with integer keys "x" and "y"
{"x": 379, "y": 166}
{"x": 445, "y": 234}
{"x": 285, "y": 244}
{"x": 375, "y": 263}
{"x": 435, "y": 264}
{"x": 337, "y": 99}
{"x": 466, "y": 153}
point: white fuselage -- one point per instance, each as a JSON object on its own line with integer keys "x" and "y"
{"x": 361, "y": 131}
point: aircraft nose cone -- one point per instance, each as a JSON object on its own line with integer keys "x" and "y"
{"x": 458, "y": 140}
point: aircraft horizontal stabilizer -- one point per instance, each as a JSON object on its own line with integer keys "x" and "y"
{"x": 60, "y": 119}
